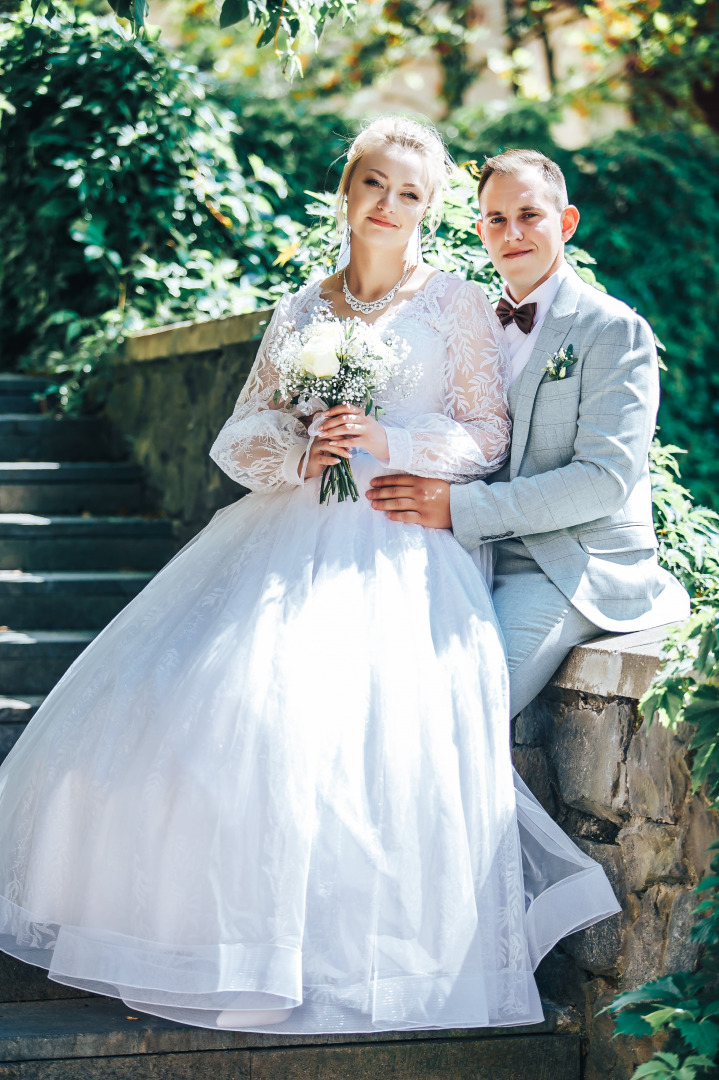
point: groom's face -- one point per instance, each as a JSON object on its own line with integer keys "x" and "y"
{"x": 523, "y": 229}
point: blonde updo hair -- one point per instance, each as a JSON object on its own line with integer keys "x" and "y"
{"x": 390, "y": 132}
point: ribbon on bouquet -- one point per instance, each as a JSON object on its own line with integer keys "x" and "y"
{"x": 306, "y": 458}
{"x": 314, "y": 429}
{"x": 313, "y": 405}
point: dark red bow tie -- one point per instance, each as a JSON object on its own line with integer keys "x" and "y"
{"x": 523, "y": 316}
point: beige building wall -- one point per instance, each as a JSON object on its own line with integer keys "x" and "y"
{"x": 416, "y": 86}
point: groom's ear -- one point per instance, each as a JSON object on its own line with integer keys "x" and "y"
{"x": 480, "y": 229}
{"x": 570, "y": 220}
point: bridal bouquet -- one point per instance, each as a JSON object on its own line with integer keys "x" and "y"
{"x": 334, "y": 361}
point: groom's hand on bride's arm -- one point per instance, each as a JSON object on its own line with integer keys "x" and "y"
{"x": 414, "y": 499}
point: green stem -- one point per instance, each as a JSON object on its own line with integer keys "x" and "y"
{"x": 338, "y": 480}
{"x": 350, "y": 480}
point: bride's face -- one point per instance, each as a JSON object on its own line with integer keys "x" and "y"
{"x": 387, "y": 198}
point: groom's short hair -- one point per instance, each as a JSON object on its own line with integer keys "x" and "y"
{"x": 513, "y": 161}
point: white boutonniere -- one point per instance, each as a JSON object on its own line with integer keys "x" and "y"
{"x": 558, "y": 365}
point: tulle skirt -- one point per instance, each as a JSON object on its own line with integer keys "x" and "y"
{"x": 281, "y": 779}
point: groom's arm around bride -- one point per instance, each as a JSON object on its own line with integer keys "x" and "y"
{"x": 571, "y": 511}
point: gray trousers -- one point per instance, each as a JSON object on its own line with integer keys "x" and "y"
{"x": 540, "y": 626}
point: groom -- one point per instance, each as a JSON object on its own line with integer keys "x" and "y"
{"x": 570, "y": 512}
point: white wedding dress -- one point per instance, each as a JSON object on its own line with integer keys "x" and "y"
{"x": 281, "y": 777}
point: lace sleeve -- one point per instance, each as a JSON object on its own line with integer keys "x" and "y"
{"x": 261, "y": 444}
{"x": 470, "y": 438}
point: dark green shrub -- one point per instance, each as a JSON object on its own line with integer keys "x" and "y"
{"x": 122, "y": 201}
{"x": 306, "y": 148}
{"x": 651, "y": 212}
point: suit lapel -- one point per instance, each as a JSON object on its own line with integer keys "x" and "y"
{"x": 555, "y": 328}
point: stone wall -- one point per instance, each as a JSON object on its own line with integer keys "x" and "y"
{"x": 619, "y": 788}
{"x": 622, "y": 789}
{"x": 172, "y": 390}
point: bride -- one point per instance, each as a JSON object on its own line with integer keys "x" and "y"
{"x": 276, "y": 792}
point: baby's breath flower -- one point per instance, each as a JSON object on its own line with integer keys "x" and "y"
{"x": 339, "y": 361}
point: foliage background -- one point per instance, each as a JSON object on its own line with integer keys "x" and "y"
{"x": 119, "y": 210}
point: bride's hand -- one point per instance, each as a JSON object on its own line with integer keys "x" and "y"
{"x": 321, "y": 454}
{"x": 347, "y": 427}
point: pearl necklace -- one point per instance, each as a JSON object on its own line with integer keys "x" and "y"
{"x": 373, "y": 305}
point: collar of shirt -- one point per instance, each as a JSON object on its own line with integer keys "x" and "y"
{"x": 543, "y": 296}
{"x": 520, "y": 345}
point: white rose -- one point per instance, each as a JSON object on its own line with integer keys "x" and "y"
{"x": 318, "y": 356}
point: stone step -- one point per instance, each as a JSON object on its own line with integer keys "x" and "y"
{"x": 21, "y": 403}
{"x": 67, "y": 599}
{"x": 15, "y": 714}
{"x": 100, "y": 1039}
{"x": 12, "y": 384}
{"x": 18, "y": 710}
{"x": 69, "y": 487}
{"x": 25, "y": 982}
{"x": 32, "y": 661}
{"x": 72, "y": 542}
{"x": 44, "y": 438}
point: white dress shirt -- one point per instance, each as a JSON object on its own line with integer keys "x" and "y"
{"x": 520, "y": 345}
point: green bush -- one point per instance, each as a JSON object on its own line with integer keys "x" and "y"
{"x": 688, "y": 534}
{"x": 304, "y": 147}
{"x": 651, "y": 210}
{"x": 122, "y": 201}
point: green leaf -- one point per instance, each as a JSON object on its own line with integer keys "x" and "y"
{"x": 661, "y": 1017}
{"x": 266, "y": 36}
{"x": 58, "y": 318}
{"x": 122, "y": 8}
{"x": 634, "y": 1024}
{"x": 657, "y": 1069}
{"x": 233, "y": 11}
{"x": 139, "y": 11}
{"x": 665, "y": 989}
{"x": 701, "y": 1036}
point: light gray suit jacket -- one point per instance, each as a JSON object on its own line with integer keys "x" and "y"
{"x": 576, "y": 488}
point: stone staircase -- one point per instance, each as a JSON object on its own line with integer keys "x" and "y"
{"x": 74, "y": 544}
{"x": 77, "y": 542}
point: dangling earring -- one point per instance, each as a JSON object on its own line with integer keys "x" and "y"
{"x": 344, "y": 253}
{"x": 418, "y": 259}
